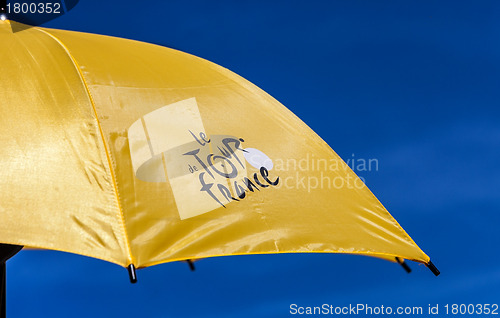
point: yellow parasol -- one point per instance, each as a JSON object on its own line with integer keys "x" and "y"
{"x": 139, "y": 155}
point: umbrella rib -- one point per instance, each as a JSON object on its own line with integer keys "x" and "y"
{"x": 130, "y": 258}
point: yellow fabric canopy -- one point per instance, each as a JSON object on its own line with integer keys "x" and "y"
{"x": 139, "y": 154}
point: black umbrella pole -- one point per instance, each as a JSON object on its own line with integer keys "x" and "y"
{"x": 3, "y": 276}
{"x": 6, "y": 252}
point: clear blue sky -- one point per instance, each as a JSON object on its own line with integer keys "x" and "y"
{"x": 414, "y": 84}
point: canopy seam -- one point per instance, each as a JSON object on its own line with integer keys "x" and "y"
{"x": 130, "y": 258}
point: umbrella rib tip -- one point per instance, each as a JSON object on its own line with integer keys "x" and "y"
{"x": 132, "y": 274}
{"x": 433, "y": 268}
{"x": 403, "y": 264}
{"x": 191, "y": 265}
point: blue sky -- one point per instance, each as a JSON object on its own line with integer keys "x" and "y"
{"x": 414, "y": 84}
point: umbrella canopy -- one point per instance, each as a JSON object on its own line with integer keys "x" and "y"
{"x": 139, "y": 155}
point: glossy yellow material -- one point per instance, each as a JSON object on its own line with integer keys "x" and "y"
{"x": 135, "y": 153}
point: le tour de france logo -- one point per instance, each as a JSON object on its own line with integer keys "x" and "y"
{"x": 205, "y": 172}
